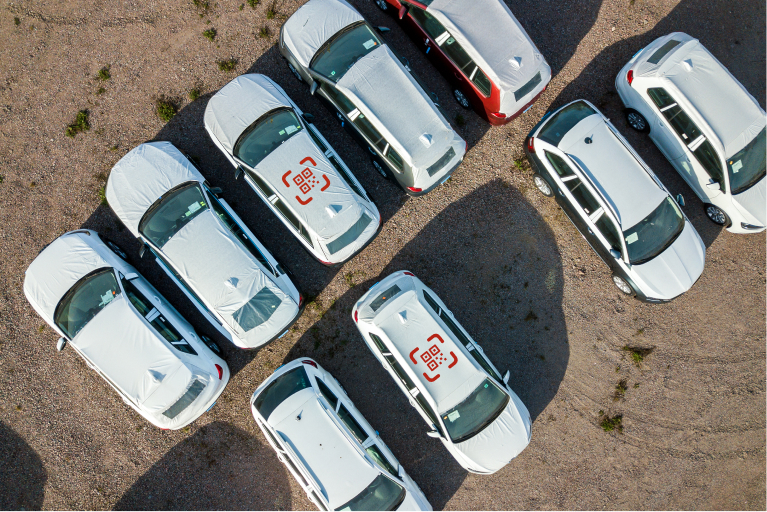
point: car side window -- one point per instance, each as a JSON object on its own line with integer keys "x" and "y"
{"x": 427, "y": 22}
{"x": 285, "y": 211}
{"x": 582, "y": 195}
{"x": 395, "y": 366}
{"x": 395, "y": 159}
{"x": 329, "y": 395}
{"x": 364, "y": 125}
{"x": 609, "y": 231}
{"x": 341, "y": 101}
{"x": 428, "y": 410}
{"x": 708, "y": 158}
{"x": 260, "y": 183}
{"x": 377, "y": 455}
{"x": 342, "y": 172}
{"x": 482, "y": 82}
{"x": 559, "y": 165}
{"x": 354, "y": 427}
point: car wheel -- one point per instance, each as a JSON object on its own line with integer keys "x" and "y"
{"x": 542, "y": 185}
{"x": 622, "y": 285}
{"x": 116, "y": 249}
{"x": 637, "y": 121}
{"x": 295, "y": 72}
{"x": 717, "y": 215}
{"x": 461, "y": 98}
{"x": 212, "y": 345}
{"x": 378, "y": 167}
{"x": 382, "y": 5}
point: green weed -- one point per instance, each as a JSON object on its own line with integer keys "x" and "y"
{"x": 81, "y": 124}
{"x": 271, "y": 12}
{"x": 194, "y": 94}
{"x": 17, "y": 21}
{"x": 102, "y": 195}
{"x": 100, "y": 91}
{"x": 609, "y": 424}
{"x": 210, "y": 34}
{"x": 166, "y": 109}
{"x": 620, "y": 390}
{"x": 104, "y": 74}
{"x": 253, "y": 3}
{"x": 227, "y": 65}
{"x": 638, "y": 354}
{"x": 264, "y": 32}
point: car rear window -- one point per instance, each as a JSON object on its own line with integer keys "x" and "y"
{"x": 352, "y": 234}
{"x": 662, "y": 51}
{"x": 442, "y": 162}
{"x": 257, "y": 310}
{"x": 186, "y": 399}
{"x": 280, "y": 389}
{"x": 529, "y": 86}
{"x": 388, "y": 294}
{"x": 560, "y": 123}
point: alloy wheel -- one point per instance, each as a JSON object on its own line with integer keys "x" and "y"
{"x": 636, "y": 121}
{"x": 542, "y": 186}
{"x": 622, "y": 285}
{"x": 716, "y": 215}
{"x": 461, "y": 98}
{"x": 382, "y": 4}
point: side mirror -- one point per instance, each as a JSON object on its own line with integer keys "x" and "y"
{"x": 383, "y": 29}
{"x": 61, "y": 344}
{"x": 433, "y": 433}
{"x": 141, "y": 249}
{"x": 615, "y": 253}
{"x": 400, "y": 471}
{"x": 216, "y": 191}
{"x": 402, "y": 12}
{"x": 315, "y": 85}
{"x": 131, "y": 276}
{"x": 238, "y": 172}
{"x": 680, "y": 199}
{"x": 506, "y": 377}
{"x": 714, "y": 185}
{"x": 308, "y": 117}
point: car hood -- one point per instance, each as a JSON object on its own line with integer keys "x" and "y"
{"x": 676, "y": 269}
{"x": 500, "y": 441}
{"x": 753, "y": 201}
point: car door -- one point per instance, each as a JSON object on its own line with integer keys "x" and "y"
{"x": 426, "y": 30}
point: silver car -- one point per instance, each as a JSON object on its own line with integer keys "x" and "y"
{"x": 330, "y": 46}
{"x": 202, "y": 245}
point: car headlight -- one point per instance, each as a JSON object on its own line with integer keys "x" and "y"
{"x": 750, "y": 226}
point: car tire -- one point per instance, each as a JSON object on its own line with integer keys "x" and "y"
{"x": 542, "y": 185}
{"x": 379, "y": 168}
{"x": 295, "y": 72}
{"x": 115, "y": 249}
{"x": 636, "y": 121}
{"x": 622, "y": 285}
{"x": 461, "y": 98}
{"x": 717, "y": 215}
{"x": 212, "y": 345}
{"x": 382, "y": 5}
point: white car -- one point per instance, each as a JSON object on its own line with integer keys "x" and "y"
{"x": 202, "y": 245}
{"x": 705, "y": 122}
{"x": 616, "y": 202}
{"x": 292, "y": 168}
{"x": 125, "y": 330}
{"x": 330, "y": 449}
{"x": 444, "y": 373}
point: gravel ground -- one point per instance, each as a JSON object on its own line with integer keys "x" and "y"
{"x": 505, "y": 259}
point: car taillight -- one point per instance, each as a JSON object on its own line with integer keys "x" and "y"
{"x": 630, "y": 76}
{"x": 409, "y": 274}
{"x": 325, "y": 262}
{"x": 498, "y": 115}
{"x": 414, "y": 189}
{"x": 220, "y": 372}
{"x": 311, "y": 363}
{"x": 355, "y": 316}
{"x": 300, "y": 300}
{"x": 531, "y": 144}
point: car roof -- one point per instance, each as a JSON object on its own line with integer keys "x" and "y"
{"x": 313, "y": 24}
{"x": 223, "y": 272}
{"x": 340, "y": 470}
{"x": 383, "y": 90}
{"x": 298, "y": 166}
{"x": 59, "y": 266}
{"x": 613, "y": 170}
{"x": 130, "y": 354}
{"x": 506, "y": 53}
{"x": 410, "y": 327}
{"x": 142, "y": 176}
{"x": 239, "y": 104}
{"x": 727, "y": 107}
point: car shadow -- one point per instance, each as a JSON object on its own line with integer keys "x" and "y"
{"x": 742, "y": 52}
{"x": 219, "y": 467}
{"x": 501, "y": 275}
{"x": 22, "y": 474}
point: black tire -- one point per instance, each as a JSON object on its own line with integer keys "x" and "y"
{"x": 636, "y": 121}
{"x": 623, "y": 285}
{"x": 379, "y": 168}
{"x": 461, "y": 98}
{"x": 382, "y": 5}
{"x": 115, "y": 248}
{"x": 212, "y": 345}
{"x": 717, "y": 215}
{"x": 542, "y": 185}
{"x": 295, "y": 72}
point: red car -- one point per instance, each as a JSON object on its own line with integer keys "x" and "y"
{"x": 499, "y": 72}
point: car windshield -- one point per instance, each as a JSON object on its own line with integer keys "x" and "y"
{"x": 382, "y": 494}
{"x": 340, "y": 53}
{"x": 653, "y": 234}
{"x": 85, "y": 300}
{"x": 172, "y": 212}
{"x": 563, "y": 121}
{"x": 266, "y": 135}
{"x": 746, "y": 167}
{"x": 477, "y": 411}
{"x": 281, "y": 388}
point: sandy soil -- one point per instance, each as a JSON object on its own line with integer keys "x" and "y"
{"x": 505, "y": 259}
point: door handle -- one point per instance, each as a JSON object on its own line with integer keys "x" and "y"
{"x": 458, "y": 76}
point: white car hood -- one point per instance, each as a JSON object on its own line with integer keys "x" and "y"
{"x": 502, "y": 440}
{"x": 753, "y": 201}
{"x": 676, "y": 269}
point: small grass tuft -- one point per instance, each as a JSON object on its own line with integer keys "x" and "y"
{"x": 460, "y": 120}
{"x": 636, "y": 385}
{"x": 102, "y": 195}
{"x": 253, "y": 3}
{"x": 2, "y": 178}
{"x": 104, "y": 74}
{"x": 210, "y": 34}
{"x": 166, "y": 109}
{"x": 41, "y": 328}
{"x": 242, "y": 6}
{"x": 620, "y": 390}
{"x": 16, "y": 20}
{"x": 227, "y": 65}
{"x": 638, "y": 354}
{"x": 609, "y": 424}
{"x": 194, "y": 94}
{"x": 264, "y": 32}
{"x": 100, "y": 91}
{"x": 201, "y": 5}
{"x": 271, "y": 11}
{"x": 81, "y": 124}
